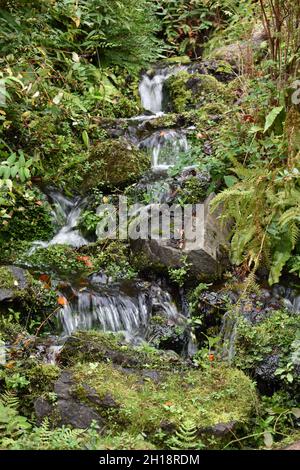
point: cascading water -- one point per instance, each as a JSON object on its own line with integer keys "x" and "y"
{"x": 101, "y": 304}
{"x": 151, "y": 88}
{"x": 66, "y": 213}
{"x": 113, "y": 309}
{"x": 165, "y": 147}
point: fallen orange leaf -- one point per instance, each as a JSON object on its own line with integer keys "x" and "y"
{"x": 44, "y": 278}
{"x": 62, "y": 301}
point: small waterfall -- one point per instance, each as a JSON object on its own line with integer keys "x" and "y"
{"x": 113, "y": 309}
{"x": 165, "y": 147}
{"x": 66, "y": 213}
{"x": 151, "y": 88}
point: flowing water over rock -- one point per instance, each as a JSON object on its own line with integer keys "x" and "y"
{"x": 125, "y": 307}
{"x": 151, "y": 88}
{"x": 66, "y": 213}
{"x": 165, "y": 148}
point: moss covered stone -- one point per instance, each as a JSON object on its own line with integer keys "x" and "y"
{"x": 270, "y": 350}
{"x": 13, "y": 281}
{"x": 149, "y": 402}
{"x": 187, "y": 91}
{"x": 113, "y": 163}
{"x": 142, "y": 390}
{"x": 96, "y": 346}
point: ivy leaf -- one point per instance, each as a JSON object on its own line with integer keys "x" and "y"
{"x": 270, "y": 119}
{"x": 14, "y": 171}
{"x": 290, "y": 378}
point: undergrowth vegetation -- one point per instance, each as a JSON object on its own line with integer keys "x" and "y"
{"x": 71, "y": 120}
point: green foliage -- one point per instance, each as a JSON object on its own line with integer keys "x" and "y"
{"x": 12, "y": 425}
{"x": 186, "y": 438}
{"x": 26, "y": 216}
{"x": 45, "y": 438}
{"x": 60, "y": 259}
{"x": 280, "y": 18}
{"x": 264, "y": 206}
{"x": 179, "y": 275}
{"x": 194, "y": 296}
{"x": 187, "y": 23}
{"x": 276, "y": 334}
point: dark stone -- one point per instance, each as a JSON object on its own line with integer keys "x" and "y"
{"x": 105, "y": 402}
{"x": 207, "y": 255}
{"x": 221, "y": 429}
{"x": 20, "y": 282}
{"x": 76, "y": 414}
{"x": 67, "y": 410}
{"x": 267, "y": 381}
{"x": 42, "y": 409}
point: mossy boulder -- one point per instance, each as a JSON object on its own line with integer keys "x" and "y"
{"x": 186, "y": 91}
{"x": 96, "y": 346}
{"x": 141, "y": 390}
{"x": 13, "y": 281}
{"x": 22, "y": 293}
{"x": 270, "y": 351}
{"x": 113, "y": 163}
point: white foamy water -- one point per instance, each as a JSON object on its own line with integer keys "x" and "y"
{"x": 165, "y": 147}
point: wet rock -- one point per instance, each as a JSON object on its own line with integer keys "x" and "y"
{"x": 95, "y": 346}
{"x": 67, "y": 410}
{"x": 42, "y": 409}
{"x": 221, "y": 429}
{"x": 265, "y": 373}
{"x": 206, "y": 253}
{"x": 165, "y": 334}
{"x": 237, "y": 54}
{"x": 13, "y": 281}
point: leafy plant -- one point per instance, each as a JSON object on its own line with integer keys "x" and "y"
{"x": 264, "y": 207}
{"x": 12, "y": 425}
{"x": 186, "y": 438}
{"x": 16, "y": 166}
{"x": 179, "y": 275}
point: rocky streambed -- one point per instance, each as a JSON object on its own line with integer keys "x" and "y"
{"x": 120, "y": 331}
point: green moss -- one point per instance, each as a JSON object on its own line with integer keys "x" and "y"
{"x": 179, "y": 94}
{"x": 41, "y": 378}
{"x": 60, "y": 259}
{"x": 7, "y": 280}
{"x": 279, "y": 335}
{"x": 163, "y": 122}
{"x": 124, "y": 441}
{"x": 218, "y": 395}
{"x": 89, "y": 346}
{"x": 30, "y": 220}
{"x": 113, "y": 163}
{"x": 187, "y": 91}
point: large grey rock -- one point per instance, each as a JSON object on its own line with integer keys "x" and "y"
{"x": 13, "y": 280}
{"x": 207, "y": 255}
{"x": 68, "y": 410}
{"x": 238, "y": 53}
